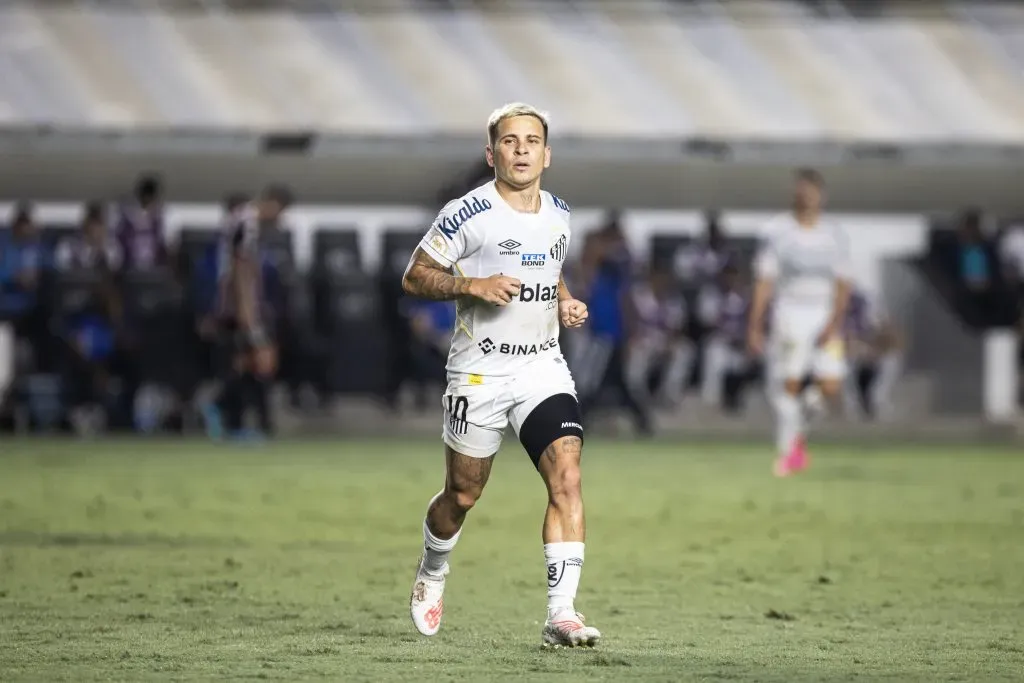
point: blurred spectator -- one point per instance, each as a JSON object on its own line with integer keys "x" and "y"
{"x": 701, "y": 262}
{"x": 205, "y": 271}
{"x": 93, "y": 248}
{"x": 24, "y": 333}
{"x": 300, "y": 357}
{"x": 723, "y": 309}
{"x": 606, "y": 275}
{"x": 1011, "y": 253}
{"x": 874, "y": 350}
{"x": 140, "y": 226}
{"x": 431, "y": 324}
{"x": 659, "y": 346}
{"x": 97, "y": 352}
{"x": 975, "y": 269}
{"x": 23, "y": 260}
{"x": 249, "y": 264}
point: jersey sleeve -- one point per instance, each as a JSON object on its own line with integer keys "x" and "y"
{"x": 766, "y": 260}
{"x": 447, "y": 241}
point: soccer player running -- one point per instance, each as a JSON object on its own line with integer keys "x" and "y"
{"x": 498, "y": 252}
{"x": 803, "y": 264}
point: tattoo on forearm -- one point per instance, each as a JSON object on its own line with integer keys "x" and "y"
{"x": 428, "y": 279}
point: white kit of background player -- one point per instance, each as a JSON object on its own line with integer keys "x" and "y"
{"x": 803, "y": 269}
{"x": 498, "y": 252}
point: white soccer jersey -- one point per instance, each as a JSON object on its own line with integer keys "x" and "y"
{"x": 479, "y": 235}
{"x": 805, "y": 263}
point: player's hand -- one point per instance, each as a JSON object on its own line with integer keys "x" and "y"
{"x": 497, "y": 289}
{"x": 572, "y": 313}
{"x": 755, "y": 342}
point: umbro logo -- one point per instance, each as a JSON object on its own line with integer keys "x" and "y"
{"x": 486, "y": 345}
{"x": 509, "y": 248}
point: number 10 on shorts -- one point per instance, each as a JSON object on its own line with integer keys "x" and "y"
{"x": 458, "y": 407}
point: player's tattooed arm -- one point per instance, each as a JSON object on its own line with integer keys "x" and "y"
{"x": 426, "y": 278}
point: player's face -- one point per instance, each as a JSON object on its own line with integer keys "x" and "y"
{"x": 520, "y": 152}
{"x": 807, "y": 196}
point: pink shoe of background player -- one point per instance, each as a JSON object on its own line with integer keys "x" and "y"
{"x": 796, "y": 460}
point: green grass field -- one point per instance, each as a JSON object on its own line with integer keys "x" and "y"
{"x": 137, "y": 560}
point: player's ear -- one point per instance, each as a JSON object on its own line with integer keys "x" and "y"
{"x": 489, "y": 155}
{"x": 547, "y": 156}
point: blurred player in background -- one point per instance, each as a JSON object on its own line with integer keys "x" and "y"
{"x": 876, "y": 358}
{"x": 431, "y": 324}
{"x": 246, "y": 322}
{"x": 601, "y": 357}
{"x": 660, "y": 341}
{"x": 803, "y": 269}
{"x": 140, "y": 226}
{"x": 498, "y": 251}
{"x": 723, "y": 309}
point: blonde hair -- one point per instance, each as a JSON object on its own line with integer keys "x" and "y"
{"x": 512, "y": 110}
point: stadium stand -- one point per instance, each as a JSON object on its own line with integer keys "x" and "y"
{"x": 775, "y": 70}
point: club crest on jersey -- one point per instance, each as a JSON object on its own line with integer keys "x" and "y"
{"x": 558, "y": 249}
{"x": 533, "y": 260}
{"x": 449, "y": 225}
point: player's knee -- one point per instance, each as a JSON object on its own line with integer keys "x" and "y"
{"x": 566, "y": 484}
{"x": 793, "y": 387}
{"x": 463, "y": 496}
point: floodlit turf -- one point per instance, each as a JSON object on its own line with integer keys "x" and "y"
{"x": 139, "y": 560}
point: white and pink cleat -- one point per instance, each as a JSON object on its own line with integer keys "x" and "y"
{"x": 797, "y": 459}
{"x": 426, "y": 604}
{"x": 566, "y": 628}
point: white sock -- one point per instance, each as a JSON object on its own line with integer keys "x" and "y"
{"x": 790, "y": 422}
{"x": 436, "y": 550}
{"x": 565, "y": 564}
